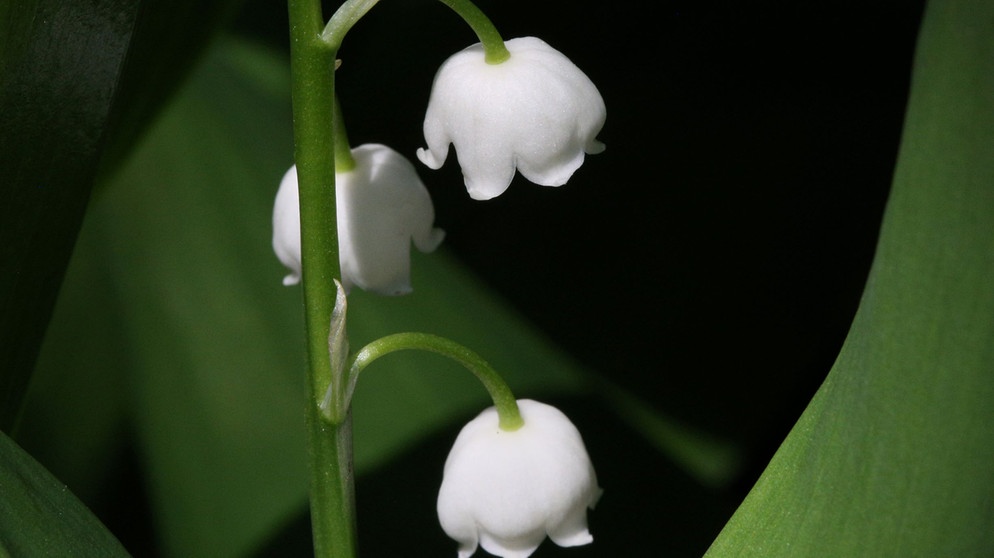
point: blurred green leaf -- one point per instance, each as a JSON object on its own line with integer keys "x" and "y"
{"x": 895, "y": 454}
{"x": 713, "y": 462}
{"x": 75, "y": 416}
{"x": 40, "y": 517}
{"x": 216, "y": 395}
{"x": 58, "y": 75}
{"x": 77, "y": 80}
{"x": 170, "y": 38}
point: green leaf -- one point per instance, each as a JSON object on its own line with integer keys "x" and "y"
{"x": 78, "y": 84}
{"x": 40, "y": 517}
{"x": 75, "y": 415}
{"x": 893, "y": 457}
{"x": 216, "y": 395}
{"x": 713, "y": 462}
{"x": 170, "y": 38}
{"x": 58, "y": 75}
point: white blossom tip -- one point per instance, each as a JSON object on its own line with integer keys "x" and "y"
{"x": 430, "y": 242}
{"x": 505, "y": 491}
{"x": 595, "y": 147}
{"x": 429, "y": 159}
{"x": 535, "y": 113}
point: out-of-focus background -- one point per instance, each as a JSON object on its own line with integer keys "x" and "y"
{"x": 708, "y": 262}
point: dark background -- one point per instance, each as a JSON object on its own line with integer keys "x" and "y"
{"x": 710, "y": 260}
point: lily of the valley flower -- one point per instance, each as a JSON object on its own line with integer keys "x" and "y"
{"x": 381, "y": 206}
{"x": 505, "y": 490}
{"x": 536, "y": 112}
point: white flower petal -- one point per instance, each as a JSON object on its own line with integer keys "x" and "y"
{"x": 286, "y": 226}
{"x": 507, "y": 490}
{"x": 382, "y": 207}
{"x": 535, "y": 112}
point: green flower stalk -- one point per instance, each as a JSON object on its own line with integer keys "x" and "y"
{"x": 500, "y": 393}
{"x": 493, "y": 45}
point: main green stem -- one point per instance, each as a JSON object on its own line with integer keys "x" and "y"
{"x": 330, "y": 445}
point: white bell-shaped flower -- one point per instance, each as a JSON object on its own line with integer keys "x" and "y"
{"x": 382, "y": 207}
{"x": 506, "y": 491}
{"x": 536, "y": 112}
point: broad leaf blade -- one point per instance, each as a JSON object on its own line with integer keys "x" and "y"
{"x": 216, "y": 395}
{"x": 59, "y": 73}
{"x": 77, "y": 80}
{"x": 75, "y": 417}
{"x": 170, "y": 38}
{"x": 894, "y": 455}
{"x": 40, "y": 517}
